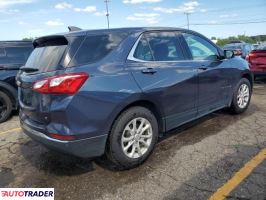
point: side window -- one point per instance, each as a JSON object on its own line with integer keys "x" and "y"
{"x": 143, "y": 51}
{"x": 96, "y": 47}
{"x": 165, "y": 46}
{"x": 200, "y": 48}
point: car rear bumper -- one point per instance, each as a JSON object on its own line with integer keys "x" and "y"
{"x": 84, "y": 148}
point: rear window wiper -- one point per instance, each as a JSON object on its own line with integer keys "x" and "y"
{"x": 28, "y": 69}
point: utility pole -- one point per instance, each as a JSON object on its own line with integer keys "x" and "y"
{"x": 187, "y": 14}
{"x": 107, "y": 12}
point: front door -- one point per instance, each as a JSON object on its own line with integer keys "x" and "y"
{"x": 161, "y": 69}
{"x": 212, "y": 83}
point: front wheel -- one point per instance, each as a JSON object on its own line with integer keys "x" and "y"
{"x": 241, "y": 96}
{"x": 132, "y": 138}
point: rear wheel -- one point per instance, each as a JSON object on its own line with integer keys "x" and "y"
{"x": 241, "y": 96}
{"x": 5, "y": 107}
{"x": 132, "y": 138}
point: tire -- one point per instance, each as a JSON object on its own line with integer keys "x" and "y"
{"x": 5, "y": 107}
{"x": 116, "y": 153}
{"x": 239, "y": 106}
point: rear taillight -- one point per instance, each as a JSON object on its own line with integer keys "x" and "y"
{"x": 61, "y": 84}
{"x": 250, "y": 58}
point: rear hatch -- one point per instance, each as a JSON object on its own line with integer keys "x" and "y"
{"x": 48, "y": 58}
{"x": 51, "y": 57}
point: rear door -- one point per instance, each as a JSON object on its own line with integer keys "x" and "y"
{"x": 213, "y": 84}
{"x": 161, "y": 69}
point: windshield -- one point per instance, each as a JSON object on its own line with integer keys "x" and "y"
{"x": 262, "y": 46}
{"x": 46, "y": 58}
{"x": 14, "y": 55}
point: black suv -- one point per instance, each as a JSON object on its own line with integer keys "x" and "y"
{"x": 13, "y": 55}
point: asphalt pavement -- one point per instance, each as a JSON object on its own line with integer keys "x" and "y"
{"x": 218, "y": 156}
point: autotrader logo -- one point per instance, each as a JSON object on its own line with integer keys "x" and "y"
{"x": 27, "y": 193}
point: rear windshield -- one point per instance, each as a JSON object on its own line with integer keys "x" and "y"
{"x": 96, "y": 47}
{"x": 262, "y": 46}
{"x": 46, "y": 58}
{"x": 14, "y": 55}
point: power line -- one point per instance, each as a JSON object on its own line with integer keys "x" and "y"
{"x": 237, "y": 8}
{"x": 228, "y": 23}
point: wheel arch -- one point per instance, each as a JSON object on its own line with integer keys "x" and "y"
{"x": 146, "y": 104}
{"x": 249, "y": 77}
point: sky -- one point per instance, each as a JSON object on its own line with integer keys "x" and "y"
{"x": 219, "y": 18}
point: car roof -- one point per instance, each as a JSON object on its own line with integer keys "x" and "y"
{"x": 18, "y": 43}
{"x": 113, "y": 30}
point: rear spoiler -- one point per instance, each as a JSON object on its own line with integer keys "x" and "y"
{"x": 73, "y": 28}
{"x": 53, "y": 40}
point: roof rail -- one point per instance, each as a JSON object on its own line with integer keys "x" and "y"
{"x": 73, "y": 28}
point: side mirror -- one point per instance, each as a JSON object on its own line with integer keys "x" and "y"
{"x": 228, "y": 54}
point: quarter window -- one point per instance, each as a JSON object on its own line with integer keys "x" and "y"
{"x": 200, "y": 48}
{"x": 96, "y": 47}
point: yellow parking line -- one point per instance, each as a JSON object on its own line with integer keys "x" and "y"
{"x": 225, "y": 190}
{"x": 11, "y": 130}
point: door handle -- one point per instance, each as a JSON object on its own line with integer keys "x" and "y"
{"x": 149, "y": 71}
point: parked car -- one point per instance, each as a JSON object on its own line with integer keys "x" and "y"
{"x": 111, "y": 92}
{"x": 257, "y": 60}
{"x": 240, "y": 48}
{"x": 13, "y": 54}
{"x": 255, "y": 46}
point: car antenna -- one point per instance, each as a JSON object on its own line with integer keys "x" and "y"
{"x": 73, "y": 28}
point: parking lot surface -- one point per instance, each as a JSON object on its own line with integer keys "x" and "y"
{"x": 220, "y": 154}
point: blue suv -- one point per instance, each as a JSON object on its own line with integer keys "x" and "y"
{"x": 109, "y": 93}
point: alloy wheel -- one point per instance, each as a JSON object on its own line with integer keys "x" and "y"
{"x": 137, "y": 137}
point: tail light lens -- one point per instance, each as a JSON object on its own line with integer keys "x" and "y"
{"x": 61, "y": 84}
{"x": 62, "y": 137}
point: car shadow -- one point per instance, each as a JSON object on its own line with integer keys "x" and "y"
{"x": 53, "y": 162}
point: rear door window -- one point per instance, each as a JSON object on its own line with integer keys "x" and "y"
{"x": 96, "y": 47}
{"x": 143, "y": 51}
{"x": 46, "y": 58}
{"x": 165, "y": 46}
